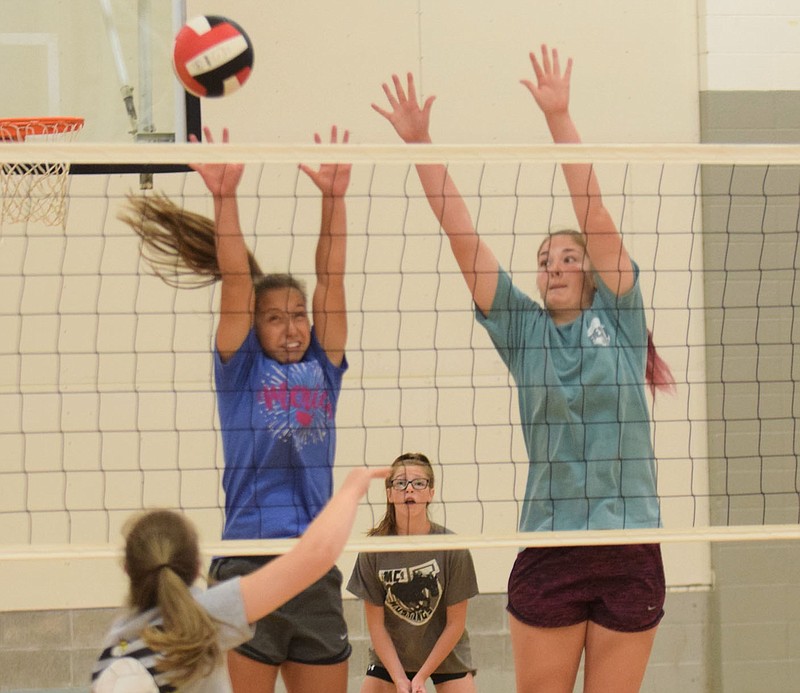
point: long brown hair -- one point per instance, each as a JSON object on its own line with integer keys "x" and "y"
{"x": 179, "y": 245}
{"x": 162, "y": 559}
{"x": 388, "y": 524}
{"x": 657, "y": 373}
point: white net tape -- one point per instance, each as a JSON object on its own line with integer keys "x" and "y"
{"x": 257, "y": 153}
{"x": 35, "y": 191}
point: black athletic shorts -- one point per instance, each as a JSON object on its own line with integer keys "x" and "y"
{"x": 378, "y": 672}
{"x": 309, "y": 629}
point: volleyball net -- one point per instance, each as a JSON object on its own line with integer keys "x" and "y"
{"x": 107, "y": 402}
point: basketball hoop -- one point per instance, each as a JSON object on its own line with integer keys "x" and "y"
{"x": 35, "y": 191}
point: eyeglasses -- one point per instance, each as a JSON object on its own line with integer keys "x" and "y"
{"x": 416, "y": 484}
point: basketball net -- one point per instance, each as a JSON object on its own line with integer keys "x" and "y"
{"x": 35, "y": 192}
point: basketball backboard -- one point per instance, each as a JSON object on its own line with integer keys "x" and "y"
{"x": 107, "y": 61}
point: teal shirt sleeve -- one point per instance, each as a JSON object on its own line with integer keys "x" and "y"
{"x": 512, "y": 316}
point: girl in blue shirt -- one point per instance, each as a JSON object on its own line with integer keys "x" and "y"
{"x": 278, "y": 380}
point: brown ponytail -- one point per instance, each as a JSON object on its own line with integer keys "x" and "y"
{"x": 657, "y": 373}
{"x": 162, "y": 559}
{"x": 180, "y": 246}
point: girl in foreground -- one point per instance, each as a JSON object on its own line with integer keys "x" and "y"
{"x": 278, "y": 370}
{"x": 415, "y": 601}
{"x": 580, "y": 360}
{"x": 180, "y": 636}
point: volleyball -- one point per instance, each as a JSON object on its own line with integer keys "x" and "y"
{"x": 126, "y": 675}
{"x": 213, "y": 56}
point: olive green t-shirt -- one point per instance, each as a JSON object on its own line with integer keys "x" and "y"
{"x": 415, "y": 589}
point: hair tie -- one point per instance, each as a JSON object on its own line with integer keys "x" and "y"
{"x": 160, "y": 566}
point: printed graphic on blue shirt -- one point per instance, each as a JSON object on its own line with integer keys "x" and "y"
{"x": 300, "y": 409}
{"x": 413, "y": 593}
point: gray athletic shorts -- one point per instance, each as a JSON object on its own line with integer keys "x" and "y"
{"x": 309, "y": 629}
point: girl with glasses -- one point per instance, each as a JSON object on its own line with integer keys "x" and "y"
{"x": 415, "y": 601}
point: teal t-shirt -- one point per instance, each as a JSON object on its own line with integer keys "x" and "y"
{"x": 583, "y": 408}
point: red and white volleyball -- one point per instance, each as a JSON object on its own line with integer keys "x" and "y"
{"x": 213, "y": 56}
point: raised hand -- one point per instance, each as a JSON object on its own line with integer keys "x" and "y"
{"x": 551, "y": 90}
{"x": 358, "y": 479}
{"x": 220, "y": 179}
{"x": 409, "y": 120}
{"x": 331, "y": 179}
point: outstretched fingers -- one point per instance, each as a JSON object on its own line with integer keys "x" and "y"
{"x": 220, "y": 178}
{"x": 398, "y": 85}
{"x": 394, "y": 101}
{"x": 335, "y": 136}
{"x": 409, "y": 120}
{"x": 557, "y": 67}
{"x": 548, "y": 68}
{"x": 399, "y": 97}
{"x": 331, "y": 179}
{"x": 537, "y": 68}
{"x": 551, "y": 87}
{"x": 209, "y": 137}
{"x": 381, "y": 111}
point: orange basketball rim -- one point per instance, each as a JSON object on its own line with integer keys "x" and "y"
{"x": 17, "y": 129}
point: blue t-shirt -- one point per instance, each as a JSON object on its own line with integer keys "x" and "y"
{"x": 583, "y": 408}
{"x": 278, "y": 437}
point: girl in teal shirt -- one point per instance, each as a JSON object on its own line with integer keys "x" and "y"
{"x": 580, "y": 360}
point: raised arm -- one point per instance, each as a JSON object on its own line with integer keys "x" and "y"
{"x": 477, "y": 262}
{"x": 236, "y": 294}
{"x": 603, "y": 240}
{"x": 328, "y": 304}
{"x": 314, "y": 554}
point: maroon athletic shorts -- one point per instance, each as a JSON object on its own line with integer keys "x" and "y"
{"x": 618, "y": 587}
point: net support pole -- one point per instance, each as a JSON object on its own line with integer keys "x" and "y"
{"x": 146, "y": 124}
{"x": 119, "y": 62}
{"x": 179, "y": 93}
{"x": 145, "y": 66}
